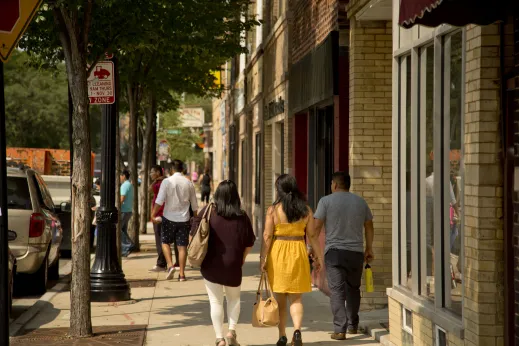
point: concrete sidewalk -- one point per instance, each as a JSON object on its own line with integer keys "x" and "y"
{"x": 177, "y": 313}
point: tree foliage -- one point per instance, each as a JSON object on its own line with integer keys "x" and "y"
{"x": 161, "y": 46}
{"x": 36, "y": 105}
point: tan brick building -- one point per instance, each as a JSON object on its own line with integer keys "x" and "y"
{"x": 429, "y": 112}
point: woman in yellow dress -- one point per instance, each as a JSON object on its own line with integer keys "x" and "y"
{"x": 284, "y": 255}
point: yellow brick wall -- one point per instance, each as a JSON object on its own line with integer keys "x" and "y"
{"x": 370, "y": 140}
{"x": 267, "y": 171}
{"x": 484, "y": 299}
{"x": 423, "y": 328}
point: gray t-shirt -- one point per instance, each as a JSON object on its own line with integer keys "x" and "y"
{"x": 344, "y": 215}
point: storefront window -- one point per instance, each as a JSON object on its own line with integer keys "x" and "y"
{"x": 427, "y": 169}
{"x": 453, "y": 49}
{"x": 431, "y": 170}
{"x": 408, "y": 145}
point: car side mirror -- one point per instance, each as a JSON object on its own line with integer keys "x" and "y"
{"x": 11, "y": 235}
{"x": 66, "y": 207}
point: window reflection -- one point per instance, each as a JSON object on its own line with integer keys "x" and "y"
{"x": 455, "y": 176}
{"x": 408, "y": 122}
{"x": 428, "y": 247}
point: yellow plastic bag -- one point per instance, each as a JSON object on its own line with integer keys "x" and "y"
{"x": 368, "y": 278}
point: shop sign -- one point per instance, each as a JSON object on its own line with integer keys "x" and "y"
{"x": 274, "y": 108}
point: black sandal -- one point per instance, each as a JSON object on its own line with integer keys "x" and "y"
{"x": 218, "y": 341}
{"x": 283, "y": 341}
{"x": 297, "y": 339}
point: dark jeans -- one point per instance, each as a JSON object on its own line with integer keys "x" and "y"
{"x": 344, "y": 273}
{"x": 161, "y": 260}
{"x": 126, "y": 243}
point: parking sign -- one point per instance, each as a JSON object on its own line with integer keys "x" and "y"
{"x": 101, "y": 86}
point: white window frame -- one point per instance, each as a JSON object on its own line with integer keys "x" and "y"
{"x": 437, "y": 330}
{"x": 440, "y": 38}
{"x": 405, "y": 327}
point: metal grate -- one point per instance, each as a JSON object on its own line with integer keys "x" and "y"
{"x": 142, "y": 283}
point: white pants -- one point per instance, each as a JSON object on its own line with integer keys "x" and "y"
{"x": 232, "y": 295}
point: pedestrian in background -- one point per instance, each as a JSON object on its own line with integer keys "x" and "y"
{"x": 206, "y": 186}
{"x": 156, "y": 180}
{"x": 345, "y": 217}
{"x": 176, "y": 194}
{"x": 285, "y": 256}
{"x": 231, "y": 239}
{"x": 126, "y": 189}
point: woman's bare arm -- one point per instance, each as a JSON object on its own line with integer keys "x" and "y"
{"x": 268, "y": 235}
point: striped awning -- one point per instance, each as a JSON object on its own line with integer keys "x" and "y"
{"x": 454, "y": 12}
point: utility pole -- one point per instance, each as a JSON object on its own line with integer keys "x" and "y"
{"x": 4, "y": 280}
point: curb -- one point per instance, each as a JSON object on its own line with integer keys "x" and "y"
{"x": 28, "y": 315}
{"x": 376, "y": 331}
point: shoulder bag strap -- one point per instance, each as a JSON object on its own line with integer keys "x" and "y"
{"x": 209, "y": 211}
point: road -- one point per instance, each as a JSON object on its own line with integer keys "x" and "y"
{"x": 22, "y": 303}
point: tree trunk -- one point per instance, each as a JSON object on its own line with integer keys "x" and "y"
{"x": 75, "y": 58}
{"x": 133, "y": 230}
{"x": 146, "y": 163}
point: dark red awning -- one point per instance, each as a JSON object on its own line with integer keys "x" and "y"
{"x": 454, "y": 12}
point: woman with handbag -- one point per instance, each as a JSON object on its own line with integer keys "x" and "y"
{"x": 231, "y": 238}
{"x": 284, "y": 255}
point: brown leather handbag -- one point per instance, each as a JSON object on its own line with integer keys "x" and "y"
{"x": 197, "y": 248}
{"x": 265, "y": 313}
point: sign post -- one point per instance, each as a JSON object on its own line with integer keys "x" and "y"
{"x": 107, "y": 282}
{"x": 15, "y": 17}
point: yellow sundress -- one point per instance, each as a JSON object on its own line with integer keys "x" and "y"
{"x": 288, "y": 266}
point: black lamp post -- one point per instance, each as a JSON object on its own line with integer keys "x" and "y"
{"x": 4, "y": 282}
{"x": 107, "y": 282}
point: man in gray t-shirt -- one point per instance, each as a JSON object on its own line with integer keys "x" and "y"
{"x": 345, "y": 216}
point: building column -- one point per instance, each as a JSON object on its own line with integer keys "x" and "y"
{"x": 370, "y": 160}
{"x": 483, "y": 302}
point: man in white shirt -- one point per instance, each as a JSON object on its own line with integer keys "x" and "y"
{"x": 177, "y": 194}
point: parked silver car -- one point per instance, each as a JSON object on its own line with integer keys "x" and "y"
{"x": 33, "y": 217}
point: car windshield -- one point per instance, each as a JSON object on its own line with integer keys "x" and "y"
{"x": 18, "y": 195}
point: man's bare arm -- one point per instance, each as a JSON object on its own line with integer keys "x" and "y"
{"x": 370, "y": 234}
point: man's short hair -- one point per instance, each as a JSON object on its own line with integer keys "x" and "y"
{"x": 342, "y": 179}
{"x": 126, "y": 174}
{"x": 177, "y": 166}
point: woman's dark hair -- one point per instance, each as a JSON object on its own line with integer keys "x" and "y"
{"x": 158, "y": 168}
{"x": 206, "y": 171}
{"x": 291, "y": 198}
{"x": 227, "y": 200}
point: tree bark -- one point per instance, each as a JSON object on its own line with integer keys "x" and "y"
{"x": 75, "y": 58}
{"x": 133, "y": 230}
{"x": 146, "y": 162}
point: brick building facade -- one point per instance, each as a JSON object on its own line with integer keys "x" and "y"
{"x": 425, "y": 120}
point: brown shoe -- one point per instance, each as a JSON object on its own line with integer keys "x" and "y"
{"x": 338, "y": 336}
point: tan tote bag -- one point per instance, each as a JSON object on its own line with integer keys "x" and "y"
{"x": 197, "y": 248}
{"x": 265, "y": 313}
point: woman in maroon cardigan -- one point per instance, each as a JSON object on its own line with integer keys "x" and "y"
{"x": 231, "y": 238}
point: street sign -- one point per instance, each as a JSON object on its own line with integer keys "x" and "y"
{"x": 15, "y": 17}
{"x": 101, "y": 85}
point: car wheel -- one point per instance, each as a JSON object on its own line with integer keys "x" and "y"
{"x": 54, "y": 270}
{"x": 39, "y": 279}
